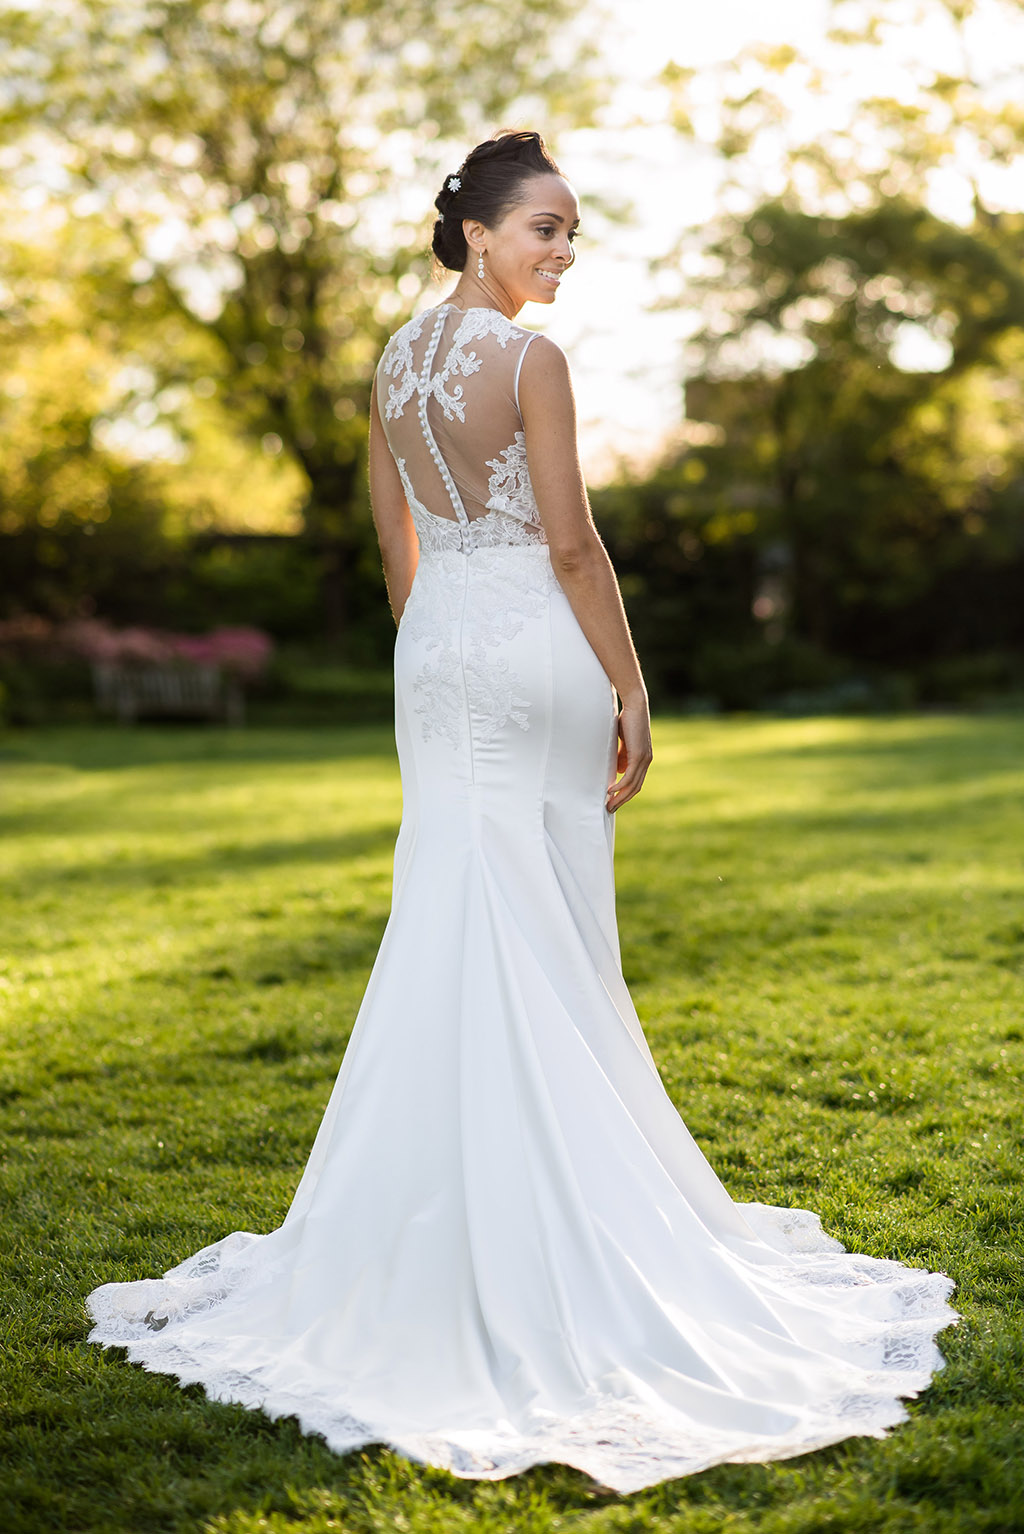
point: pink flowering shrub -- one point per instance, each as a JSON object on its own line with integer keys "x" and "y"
{"x": 95, "y": 640}
{"x": 243, "y": 652}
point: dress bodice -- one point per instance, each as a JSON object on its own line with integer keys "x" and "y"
{"x": 448, "y": 392}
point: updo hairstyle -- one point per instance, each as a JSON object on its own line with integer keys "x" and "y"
{"x": 491, "y": 178}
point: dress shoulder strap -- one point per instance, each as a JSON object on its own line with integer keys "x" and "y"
{"x": 531, "y": 335}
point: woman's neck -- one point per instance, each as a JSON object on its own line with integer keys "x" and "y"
{"x": 472, "y": 292}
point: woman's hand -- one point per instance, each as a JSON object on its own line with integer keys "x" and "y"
{"x": 635, "y": 753}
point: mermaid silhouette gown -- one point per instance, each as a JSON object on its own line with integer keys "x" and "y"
{"x": 505, "y": 1247}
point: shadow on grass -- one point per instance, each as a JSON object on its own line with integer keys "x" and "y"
{"x": 199, "y": 868}
{"x": 93, "y": 748}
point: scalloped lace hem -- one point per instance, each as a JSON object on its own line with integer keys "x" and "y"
{"x": 623, "y": 1443}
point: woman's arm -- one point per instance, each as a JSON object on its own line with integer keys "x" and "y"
{"x": 399, "y": 549}
{"x": 577, "y": 554}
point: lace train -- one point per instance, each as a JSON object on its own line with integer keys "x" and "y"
{"x": 622, "y": 1444}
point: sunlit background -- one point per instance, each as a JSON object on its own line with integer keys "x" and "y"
{"x": 796, "y": 326}
{"x": 628, "y": 360}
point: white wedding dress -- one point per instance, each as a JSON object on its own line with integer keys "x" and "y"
{"x": 506, "y": 1248}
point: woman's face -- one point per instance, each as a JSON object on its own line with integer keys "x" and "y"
{"x": 526, "y": 253}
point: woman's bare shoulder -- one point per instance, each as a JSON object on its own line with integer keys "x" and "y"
{"x": 542, "y": 347}
{"x": 545, "y": 364}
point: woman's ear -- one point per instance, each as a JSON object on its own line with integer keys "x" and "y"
{"x": 474, "y": 231}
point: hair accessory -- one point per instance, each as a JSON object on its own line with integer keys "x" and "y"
{"x": 480, "y": 264}
{"x": 440, "y": 218}
{"x": 454, "y": 183}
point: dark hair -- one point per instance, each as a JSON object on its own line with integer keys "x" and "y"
{"x": 490, "y": 180}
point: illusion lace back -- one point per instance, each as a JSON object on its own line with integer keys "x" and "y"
{"x": 505, "y": 1247}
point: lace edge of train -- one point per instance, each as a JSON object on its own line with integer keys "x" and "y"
{"x": 622, "y": 1453}
{"x": 622, "y": 1446}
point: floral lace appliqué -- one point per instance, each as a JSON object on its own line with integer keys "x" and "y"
{"x": 466, "y": 612}
{"x": 510, "y": 486}
{"x": 398, "y": 359}
{"x": 458, "y": 362}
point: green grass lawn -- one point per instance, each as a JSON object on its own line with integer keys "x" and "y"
{"x": 823, "y": 928}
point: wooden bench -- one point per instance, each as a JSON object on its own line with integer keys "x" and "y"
{"x": 189, "y": 691}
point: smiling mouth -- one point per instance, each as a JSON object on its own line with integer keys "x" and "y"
{"x": 553, "y": 277}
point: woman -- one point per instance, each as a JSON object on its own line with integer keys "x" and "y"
{"x": 505, "y": 1248}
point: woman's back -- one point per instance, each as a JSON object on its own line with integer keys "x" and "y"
{"x": 473, "y": 662}
{"x": 448, "y": 395}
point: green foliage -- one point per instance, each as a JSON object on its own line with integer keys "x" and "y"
{"x": 877, "y": 513}
{"x": 682, "y": 589}
{"x": 129, "y": 575}
{"x": 821, "y": 925}
{"x": 237, "y": 177}
{"x": 855, "y": 389}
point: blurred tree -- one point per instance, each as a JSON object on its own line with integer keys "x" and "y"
{"x": 878, "y": 473}
{"x": 81, "y": 405}
{"x": 858, "y": 364}
{"x": 104, "y": 478}
{"x": 912, "y": 98}
{"x": 261, "y": 170}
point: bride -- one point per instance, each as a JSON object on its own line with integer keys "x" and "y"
{"x": 505, "y": 1247}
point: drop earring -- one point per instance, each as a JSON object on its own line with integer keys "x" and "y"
{"x": 480, "y": 264}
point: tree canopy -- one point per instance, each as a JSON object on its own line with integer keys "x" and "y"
{"x": 856, "y": 377}
{"x": 248, "y": 184}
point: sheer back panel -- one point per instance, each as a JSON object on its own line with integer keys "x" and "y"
{"x": 448, "y": 398}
